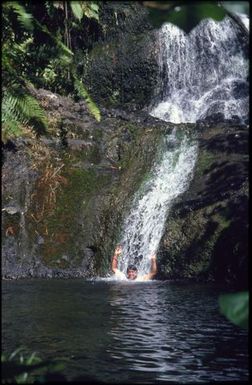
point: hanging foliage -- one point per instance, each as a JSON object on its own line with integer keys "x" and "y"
{"x": 26, "y": 40}
{"x": 82, "y": 91}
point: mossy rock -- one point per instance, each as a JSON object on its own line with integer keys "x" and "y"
{"x": 195, "y": 240}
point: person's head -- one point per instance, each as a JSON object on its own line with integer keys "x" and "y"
{"x": 131, "y": 272}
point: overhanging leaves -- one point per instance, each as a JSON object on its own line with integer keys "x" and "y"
{"x": 76, "y": 9}
{"x": 235, "y": 307}
{"x": 24, "y": 18}
{"x": 185, "y": 15}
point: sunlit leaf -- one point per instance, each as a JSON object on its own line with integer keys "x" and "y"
{"x": 77, "y": 10}
{"x": 94, "y": 6}
{"x": 90, "y": 9}
{"x": 235, "y": 307}
{"x": 58, "y": 4}
{"x": 17, "y": 351}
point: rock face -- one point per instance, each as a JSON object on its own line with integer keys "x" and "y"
{"x": 122, "y": 70}
{"x": 65, "y": 196}
{"x": 62, "y": 214}
{"x": 206, "y": 235}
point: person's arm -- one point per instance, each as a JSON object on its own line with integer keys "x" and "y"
{"x": 153, "y": 270}
{"x": 118, "y": 251}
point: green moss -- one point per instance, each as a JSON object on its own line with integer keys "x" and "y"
{"x": 61, "y": 228}
{"x": 190, "y": 241}
{"x": 205, "y": 160}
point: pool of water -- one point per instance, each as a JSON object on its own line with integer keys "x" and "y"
{"x": 125, "y": 332}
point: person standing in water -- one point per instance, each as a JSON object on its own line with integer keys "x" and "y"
{"x": 132, "y": 271}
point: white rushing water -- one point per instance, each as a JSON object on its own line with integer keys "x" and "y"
{"x": 204, "y": 72}
{"x": 169, "y": 177}
{"x": 244, "y": 18}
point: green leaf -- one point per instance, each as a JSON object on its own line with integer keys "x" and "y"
{"x": 188, "y": 16}
{"x": 94, "y": 7}
{"x": 58, "y": 4}
{"x": 13, "y": 354}
{"x": 11, "y": 369}
{"x": 92, "y": 107}
{"x": 235, "y": 307}
{"x": 77, "y": 10}
{"x": 33, "y": 359}
{"x": 25, "y": 18}
{"x": 19, "y": 109}
{"x": 90, "y": 9}
{"x": 210, "y": 10}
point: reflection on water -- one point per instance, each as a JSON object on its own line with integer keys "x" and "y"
{"x": 172, "y": 333}
{"x": 125, "y": 331}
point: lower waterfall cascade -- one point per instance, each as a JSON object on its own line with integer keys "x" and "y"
{"x": 169, "y": 177}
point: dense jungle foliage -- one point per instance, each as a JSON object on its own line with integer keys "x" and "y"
{"x": 38, "y": 41}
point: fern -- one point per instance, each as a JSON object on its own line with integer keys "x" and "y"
{"x": 24, "y": 18}
{"x": 31, "y": 109}
{"x": 64, "y": 49}
{"x": 19, "y": 110}
{"x": 92, "y": 107}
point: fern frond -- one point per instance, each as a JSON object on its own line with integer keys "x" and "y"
{"x": 30, "y": 109}
{"x": 11, "y": 125}
{"x": 92, "y": 107}
{"x": 58, "y": 43}
{"x": 10, "y": 110}
{"x": 24, "y": 18}
{"x": 19, "y": 110}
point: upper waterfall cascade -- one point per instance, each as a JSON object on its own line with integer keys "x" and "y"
{"x": 203, "y": 73}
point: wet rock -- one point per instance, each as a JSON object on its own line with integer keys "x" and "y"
{"x": 71, "y": 196}
{"x": 206, "y": 233}
{"x": 240, "y": 89}
{"x": 66, "y": 210}
{"x": 122, "y": 69}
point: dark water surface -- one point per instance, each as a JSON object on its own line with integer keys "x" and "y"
{"x": 124, "y": 331}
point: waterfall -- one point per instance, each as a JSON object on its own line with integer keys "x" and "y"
{"x": 169, "y": 177}
{"x": 204, "y": 73}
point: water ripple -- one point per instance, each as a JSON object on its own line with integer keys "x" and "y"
{"x": 126, "y": 333}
